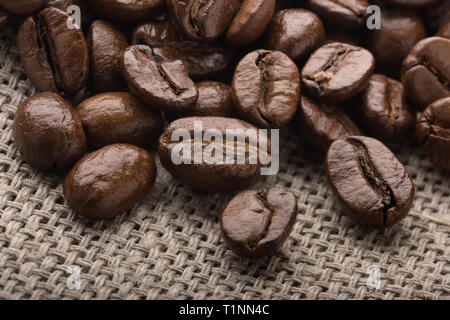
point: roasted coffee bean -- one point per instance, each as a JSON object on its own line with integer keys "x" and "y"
{"x": 321, "y": 124}
{"x": 384, "y": 111}
{"x": 203, "y": 20}
{"x": 256, "y": 223}
{"x": 4, "y": 18}
{"x": 250, "y": 22}
{"x": 433, "y": 133}
{"x": 119, "y": 117}
{"x": 214, "y": 99}
{"x": 48, "y": 133}
{"x": 266, "y": 88}
{"x": 296, "y": 32}
{"x": 339, "y": 36}
{"x": 221, "y": 172}
{"x": 344, "y": 14}
{"x": 410, "y": 3}
{"x": 106, "y": 46}
{"x": 438, "y": 14}
{"x": 444, "y": 31}
{"x": 109, "y": 181}
{"x": 164, "y": 84}
{"x": 203, "y": 61}
{"x": 337, "y": 72}
{"x": 22, "y": 7}
{"x": 426, "y": 71}
{"x": 86, "y": 14}
{"x": 371, "y": 184}
{"x": 54, "y": 56}
{"x": 127, "y": 10}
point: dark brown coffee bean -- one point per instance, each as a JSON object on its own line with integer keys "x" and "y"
{"x": 118, "y": 117}
{"x": 426, "y": 71}
{"x": 22, "y": 7}
{"x": 106, "y": 46}
{"x": 87, "y": 15}
{"x": 164, "y": 84}
{"x": 410, "y": 3}
{"x": 203, "y": 61}
{"x": 444, "y": 31}
{"x": 192, "y": 167}
{"x": 203, "y": 20}
{"x": 250, "y": 22}
{"x": 321, "y": 124}
{"x": 344, "y": 14}
{"x": 214, "y": 99}
{"x": 4, "y": 18}
{"x": 339, "y": 36}
{"x": 110, "y": 181}
{"x": 384, "y": 111}
{"x": 400, "y": 31}
{"x": 371, "y": 184}
{"x": 127, "y": 10}
{"x": 256, "y": 223}
{"x": 433, "y": 133}
{"x": 54, "y": 56}
{"x": 438, "y": 14}
{"x": 266, "y": 88}
{"x": 337, "y": 72}
{"x": 296, "y": 32}
{"x": 48, "y": 133}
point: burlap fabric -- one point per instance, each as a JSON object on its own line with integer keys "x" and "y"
{"x": 170, "y": 246}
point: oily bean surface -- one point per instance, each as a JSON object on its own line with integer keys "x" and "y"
{"x": 22, "y": 7}
{"x": 214, "y": 99}
{"x": 256, "y": 223}
{"x": 410, "y": 3}
{"x": 372, "y": 185}
{"x": 444, "y": 31}
{"x": 109, "y": 181}
{"x": 48, "y": 132}
{"x": 127, "y": 10}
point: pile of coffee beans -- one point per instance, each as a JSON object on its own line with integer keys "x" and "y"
{"x": 354, "y": 78}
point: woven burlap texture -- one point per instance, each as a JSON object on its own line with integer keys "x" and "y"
{"x": 169, "y": 246}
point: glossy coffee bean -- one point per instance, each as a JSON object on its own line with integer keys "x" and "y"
{"x": 162, "y": 83}
{"x": 214, "y": 99}
{"x": 400, "y": 31}
{"x": 119, "y": 117}
{"x": 203, "y": 20}
{"x": 321, "y": 124}
{"x": 203, "y": 61}
{"x": 384, "y": 111}
{"x": 130, "y": 11}
{"x": 48, "y": 132}
{"x": 426, "y": 71}
{"x": 433, "y": 133}
{"x": 371, "y": 184}
{"x": 106, "y": 46}
{"x": 203, "y": 174}
{"x": 22, "y": 7}
{"x": 444, "y": 31}
{"x": 410, "y": 3}
{"x": 337, "y": 72}
{"x": 250, "y": 22}
{"x": 296, "y": 32}
{"x": 86, "y": 15}
{"x": 256, "y": 223}
{"x": 54, "y": 56}
{"x": 340, "y": 36}
{"x": 109, "y": 181}
{"x": 266, "y": 88}
{"x": 344, "y": 14}
{"x": 438, "y": 14}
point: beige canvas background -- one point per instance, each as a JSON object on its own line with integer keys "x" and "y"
{"x": 170, "y": 247}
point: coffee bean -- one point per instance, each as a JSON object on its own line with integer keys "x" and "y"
{"x": 203, "y": 20}
{"x": 203, "y": 61}
{"x": 106, "y": 46}
{"x": 384, "y": 111}
{"x": 296, "y": 32}
{"x": 256, "y": 223}
{"x": 410, "y": 3}
{"x": 266, "y": 88}
{"x": 164, "y": 84}
{"x": 250, "y": 22}
{"x": 371, "y": 184}
{"x": 337, "y": 72}
{"x": 214, "y": 99}
{"x": 86, "y": 14}
{"x": 400, "y": 31}
{"x": 433, "y": 133}
{"x": 54, "y": 56}
{"x": 444, "y": 31}
{"x": 48, "y": 133}
{"x": 109, "y": 181}
{"x": 437, "y": 15}
{"x": 118, "y": 117}
{"x": 215, "y": 174}
{"x": 426, "y": 72}
{"x": 321, "y": 124}
{"x": 22, "y": 7}
{"x": 127, "y": 11}
{"x": 344, "y": 14}
{"x": 339, "y": 36}
{"x": 4, "y": 18}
